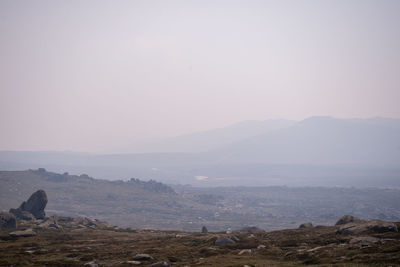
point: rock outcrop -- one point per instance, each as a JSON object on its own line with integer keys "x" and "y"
{"x": 7, "y": 220}
{"x": 306, "y": 225}
{"x": 35, "y": 206}
{"x": 376, "y": 226}
{"x": 348, "y": 219}
{"x": 24, "y": 233}
{"x": 204, "y": 229}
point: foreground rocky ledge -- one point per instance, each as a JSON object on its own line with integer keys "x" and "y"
{"x": 29, "y": 238}
{"x": 72, "y": 245}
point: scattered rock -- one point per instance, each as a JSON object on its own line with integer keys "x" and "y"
{"x": 160, "y": 264}
{"x": 249, "y": 230}
{"x": 364, "y": 239}
{"x": 50, "y": 223}
{"x": 245, "y": 251}
{"x": 348, "y": 219}
{"x": 91, "y": 264}
{"x": 376, "y": 226}
{"x": 143, "y": 257}
{"x": 133, "y": 262}
{"x": 204, "y": 229}
{"x": 289, "y": 253}
{"x": 306, "y": 225}
{"x": 22, "y": 214}
{"x": 223, "y": 241}
{"x": 7, "y": 220}
{"x": 24, "y": 233}
{"x": 35, "y": 205}
{"x": 315, "y": 249}
{"x": 261, "y": 246}
{"x": 234, "y": 238}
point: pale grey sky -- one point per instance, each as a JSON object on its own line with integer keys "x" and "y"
{"x": 96, "y": 75}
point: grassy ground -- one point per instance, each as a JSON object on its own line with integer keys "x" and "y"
{"x": 319, "y": 246}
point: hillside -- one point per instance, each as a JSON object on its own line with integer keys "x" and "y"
{"x": 139, "y": 204}
{"x": 322, "y": 141}
{"x": 212, "y": 139}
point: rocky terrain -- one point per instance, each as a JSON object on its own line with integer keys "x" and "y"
{"x": 64, "y": 241}
{"x": 142, "y": 204}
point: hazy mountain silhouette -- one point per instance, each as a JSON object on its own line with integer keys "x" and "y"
{"x": 315, "y": 151}
{"x": 212, "y": 139}
{"x": 322, "y": 140}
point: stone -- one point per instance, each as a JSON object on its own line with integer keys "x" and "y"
{"x": 261, "y": 246}
{"x": 35, "y": 205}
{"x": 160, "y": 264}
{"x": 143, "y": 257}
{"x": 306, "y": 225}
{"x": 50, "y": 223}
{"x": 234, "y": 238}
{"x": 348, "y": 219}
{"x": 376, "y": 226}
{"x": 22, "y": 214}
{"x": 7, "y": 220}
{"x": 24, "y": 233}
{"x": 91, "y": 264}
{"x": 223, "y": 241}
{"x": 133, "y": 262}
{"x": 363, "y": 239}
{"x": 245, "y": 251}
{"x": 204, "y": 229}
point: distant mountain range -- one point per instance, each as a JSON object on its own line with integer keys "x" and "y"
{"x": 212, "y": 139}
{"x": 315, "y": 151}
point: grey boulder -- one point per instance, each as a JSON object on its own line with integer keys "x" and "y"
{"x": 306, "y": 225}
{"x": 142, "y": 257}
{"x": 348, "y": 219}
{"x": 7, "y": 220}
{"x": 35, "y": 205}
{"x": 24, "y": 233}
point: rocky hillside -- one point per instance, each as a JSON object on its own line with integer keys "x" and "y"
{"x": 29, "y": 237}
{"x": 61, "y": 241}
{"x": 149, "y": 204}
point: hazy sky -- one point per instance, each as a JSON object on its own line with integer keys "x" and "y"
{"x": 96, "y": 75}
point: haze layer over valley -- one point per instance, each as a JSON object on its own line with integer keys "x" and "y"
{"x": 318, "y": 151}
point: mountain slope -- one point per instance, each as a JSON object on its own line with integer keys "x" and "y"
{"x": 322, "y": 140}
{"x": 212, "y": 139}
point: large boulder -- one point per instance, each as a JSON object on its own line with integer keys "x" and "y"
{"x": 223, "y": 241}
{"x": 7, "y": 220}
{"x": 376, "y": 226}
{"x": 35, "y": 205}
{"x": 348, "y": 219}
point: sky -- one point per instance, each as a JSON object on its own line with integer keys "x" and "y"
{"x": 95, "y": 76}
